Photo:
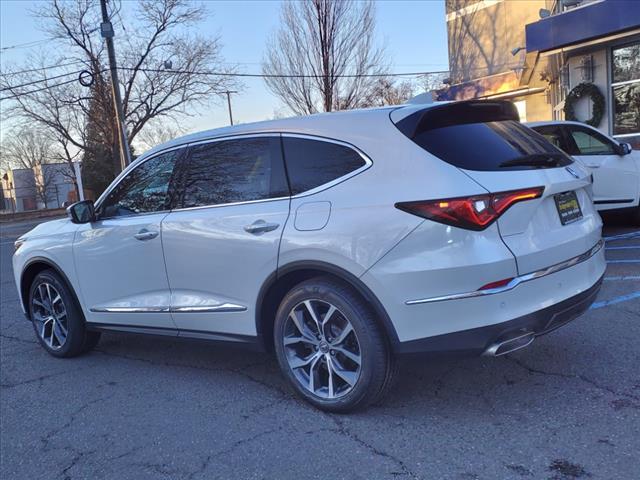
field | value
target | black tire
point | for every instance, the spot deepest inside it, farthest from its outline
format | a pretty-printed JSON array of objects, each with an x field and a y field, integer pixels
[
  {"x": 635, "y": 216},
  {"x": 377, "y": 365},
  {"x": 78, "y": 339}
]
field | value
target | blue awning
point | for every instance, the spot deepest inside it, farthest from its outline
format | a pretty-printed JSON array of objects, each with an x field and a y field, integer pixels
[{"x": 594, "y": 20}]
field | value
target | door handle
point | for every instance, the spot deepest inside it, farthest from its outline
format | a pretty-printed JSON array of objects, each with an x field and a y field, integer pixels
[
  {"x": 260, "y": 226},
  {"x": 145, "y": 234}
]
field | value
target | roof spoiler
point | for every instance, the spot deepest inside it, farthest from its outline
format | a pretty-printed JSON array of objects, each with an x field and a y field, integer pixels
[{"x": 457, "y": 113}]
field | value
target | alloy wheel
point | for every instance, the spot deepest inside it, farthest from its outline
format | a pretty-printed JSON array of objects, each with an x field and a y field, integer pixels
[
  {"x": 49, "y": 315},
  {"x": 322, "y": 349}
]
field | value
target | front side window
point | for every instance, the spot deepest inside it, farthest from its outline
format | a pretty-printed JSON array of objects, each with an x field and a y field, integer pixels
[
  {"x": 590, "y": 143},
  {"x": 625, "y": 85},
  {"x": 312, "y": 163},
  {"x": 231, "y": 171},
  {"x": 143, "y": 190}
]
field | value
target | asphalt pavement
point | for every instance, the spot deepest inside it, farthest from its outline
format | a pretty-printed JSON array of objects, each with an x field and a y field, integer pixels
[{"x": 140, "y": 408}]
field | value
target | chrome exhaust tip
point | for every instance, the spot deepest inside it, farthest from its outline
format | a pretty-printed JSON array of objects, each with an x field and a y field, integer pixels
[{"x": 509, "y": 345}]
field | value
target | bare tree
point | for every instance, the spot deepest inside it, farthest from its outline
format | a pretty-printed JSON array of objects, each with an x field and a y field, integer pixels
[
  {"x": 330, "y": 41},
  {"x": 387, "y": 92},
  {"x": 30, "y": 149},
  {"x": 157, "y": 36},
  {"x": 156, "y": 133}
]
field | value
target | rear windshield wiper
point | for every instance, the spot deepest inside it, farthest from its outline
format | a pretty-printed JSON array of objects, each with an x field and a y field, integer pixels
[{"x": 535, "y": 160}]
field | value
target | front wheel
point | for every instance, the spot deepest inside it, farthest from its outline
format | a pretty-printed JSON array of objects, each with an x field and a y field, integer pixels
[
  {"x": 57, "y": 319},
  {"x": 330, "y": 347}
]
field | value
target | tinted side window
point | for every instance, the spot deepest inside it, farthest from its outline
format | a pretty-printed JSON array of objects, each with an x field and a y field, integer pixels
[
  {"x": 230, "y": 171},
  {"x": 311, "y": 163},
  {"x": 591, "y": 143},
  {"x": 144, "y": 189}
]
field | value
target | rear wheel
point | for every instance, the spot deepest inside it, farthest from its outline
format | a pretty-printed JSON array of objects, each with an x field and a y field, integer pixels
[
  {"x": 57, "y": 319},
  {"x": 330, "y": 348}
]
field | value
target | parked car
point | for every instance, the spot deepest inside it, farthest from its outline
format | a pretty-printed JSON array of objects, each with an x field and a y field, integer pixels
[
  {"x": 339, "y": 241},
  {"x": 615, "y": 166}
]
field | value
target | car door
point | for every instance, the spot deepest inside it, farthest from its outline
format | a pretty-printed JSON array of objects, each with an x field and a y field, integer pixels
[
  {"x": 616, "y": 179},
  {"x": 221, "y": 241},
  {"x": 119, "y": 258}
]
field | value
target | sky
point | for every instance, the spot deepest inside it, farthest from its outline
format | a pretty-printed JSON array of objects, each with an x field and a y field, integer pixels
[{"x": 414, "y": 33}]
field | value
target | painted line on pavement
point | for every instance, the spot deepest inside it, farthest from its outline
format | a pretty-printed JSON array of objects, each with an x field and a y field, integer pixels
[
  {"x": 613, "y": 301},
  {"x": 622, "y": 236},
  {"x": 627, "y": 277},
  {"x": 623, "y": 261}
]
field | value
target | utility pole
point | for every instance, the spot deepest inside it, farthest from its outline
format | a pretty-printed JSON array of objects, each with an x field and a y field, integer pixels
[
  {"x": 106, "y": 29},
  {"x": 229, "y": 92}
]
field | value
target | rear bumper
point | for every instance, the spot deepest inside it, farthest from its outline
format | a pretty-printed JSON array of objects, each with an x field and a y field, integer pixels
[{"x": 476, "y": 341}]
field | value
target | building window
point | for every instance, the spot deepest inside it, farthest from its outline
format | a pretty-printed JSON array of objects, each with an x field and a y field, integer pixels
[{"x": 625, "y": 86}]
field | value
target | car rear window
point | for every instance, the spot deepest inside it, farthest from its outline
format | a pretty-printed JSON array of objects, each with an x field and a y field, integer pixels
[{"x": 485, "y": 136}]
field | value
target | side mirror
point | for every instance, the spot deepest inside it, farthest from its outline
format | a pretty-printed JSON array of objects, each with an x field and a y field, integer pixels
[
  {"x": 624, "y": 149},
  {"x": 82, "y": 212}
]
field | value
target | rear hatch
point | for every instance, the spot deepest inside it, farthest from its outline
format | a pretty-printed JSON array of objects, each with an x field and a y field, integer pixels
[{"x": 485, "y": 140}]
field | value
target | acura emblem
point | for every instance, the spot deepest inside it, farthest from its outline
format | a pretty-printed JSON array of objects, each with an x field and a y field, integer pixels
[{"x": 572, "y": 172}]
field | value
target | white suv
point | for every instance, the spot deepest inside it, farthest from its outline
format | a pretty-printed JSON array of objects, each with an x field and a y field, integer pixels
[
  {"x": 615, "y": 166},
  {"x": 339, "y": 241}
]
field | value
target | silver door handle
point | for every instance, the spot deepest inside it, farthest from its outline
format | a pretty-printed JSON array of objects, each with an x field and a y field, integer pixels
[
  {"x": 260, "y": 226},
  {"x": 145, "y": 234}
]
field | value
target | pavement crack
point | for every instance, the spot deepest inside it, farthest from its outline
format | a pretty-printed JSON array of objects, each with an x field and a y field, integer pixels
[
  {"x": 17, "y": 339},
  {"x": 344, "y": 431},
  {"x": 580, "y": 377}
]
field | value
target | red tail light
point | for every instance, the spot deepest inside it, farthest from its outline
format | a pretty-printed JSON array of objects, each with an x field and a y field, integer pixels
[{"x": 473, "y": 213}]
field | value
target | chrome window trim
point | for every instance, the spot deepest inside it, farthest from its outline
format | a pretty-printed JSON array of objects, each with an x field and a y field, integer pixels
[
  {"x": 222, "y": 308},
  {"x": 517, "y": 280}
]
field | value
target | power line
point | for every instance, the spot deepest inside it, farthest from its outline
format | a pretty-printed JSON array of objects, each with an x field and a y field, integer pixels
[
  {"x": 46, "y": 87},
  {"x": 48, "y": 67},
  {"x": 24, "y": 45},
  {"x": 12, "y": 87},
  {"x": 267, "y": 75},
  {"x": 221, "y": 74}
]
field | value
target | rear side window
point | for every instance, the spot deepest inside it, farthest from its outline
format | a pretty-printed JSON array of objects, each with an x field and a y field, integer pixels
[
  {"x": 484, "y": 136},
  {"x": 312, "y": 163},
  {"x": 231, "y": 171}
]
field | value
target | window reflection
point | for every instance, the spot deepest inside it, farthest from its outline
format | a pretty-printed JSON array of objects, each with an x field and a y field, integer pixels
[
  {"x": 144, "y": 189},
  {"x": 232, "y": 171}
]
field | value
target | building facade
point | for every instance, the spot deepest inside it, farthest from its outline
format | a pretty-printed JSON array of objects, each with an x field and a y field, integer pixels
[
  {"x": 45, "y": 186},
  {"x": 593, "y": 43},
  {"x": 536, "y": 52}
]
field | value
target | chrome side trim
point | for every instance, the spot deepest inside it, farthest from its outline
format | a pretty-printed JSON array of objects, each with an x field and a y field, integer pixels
[
  {"x": 517, "y": 280},
  {"x": 129, "y": 309},
  {"x": 224, "y": 307}
]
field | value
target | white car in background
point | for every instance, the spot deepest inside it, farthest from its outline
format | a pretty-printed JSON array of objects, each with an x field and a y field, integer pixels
[
  {"x": 338, "y": 241},
  {"x": 615, "y": 166}
]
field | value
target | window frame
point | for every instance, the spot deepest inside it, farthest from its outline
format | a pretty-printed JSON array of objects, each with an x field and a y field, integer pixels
[
  {"x": 611, "y": 87},
  {"x": 134, "y": 166}
]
